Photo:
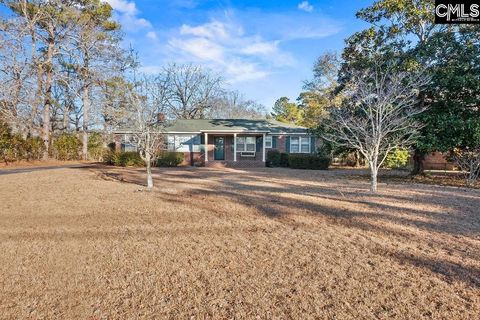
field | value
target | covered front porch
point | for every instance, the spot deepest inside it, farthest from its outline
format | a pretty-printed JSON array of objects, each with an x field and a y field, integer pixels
[{"x": 235, "y": 149}]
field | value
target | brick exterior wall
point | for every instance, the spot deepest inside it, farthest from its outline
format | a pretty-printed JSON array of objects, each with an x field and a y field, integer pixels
[
  {"x": 193, "y": 159},
  {"x": 198, "y": 158},
  {"x": 242, "y": 162},
  {"x": 118, "y": 143},
  {"x": 437, "y": 161},
  {"x": 281, "y": 144}
]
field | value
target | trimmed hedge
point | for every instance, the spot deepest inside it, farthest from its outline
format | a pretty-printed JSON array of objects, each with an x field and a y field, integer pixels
[
  {"x": 273, "y": 158},
  {"x": 276, "y": 158},
  {"x": 170, "y": 159},
  {"x": 308, "y": 161},
  {"x": 297, "y": 160},
  {"x": 124, "y": 159},
  {"x": 284, "y": 159}
]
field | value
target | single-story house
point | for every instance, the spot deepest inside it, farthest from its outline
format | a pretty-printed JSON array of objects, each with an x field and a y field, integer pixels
[{"x": 229, "y": 142}]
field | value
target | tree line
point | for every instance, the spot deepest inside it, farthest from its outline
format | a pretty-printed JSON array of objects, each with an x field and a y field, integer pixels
[
  {"x": 64, "y": 70},
  {"x": 404, "y": 82}
]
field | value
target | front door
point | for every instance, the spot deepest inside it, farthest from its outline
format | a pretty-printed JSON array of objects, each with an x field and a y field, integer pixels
[{"x": 219, "y": 148}]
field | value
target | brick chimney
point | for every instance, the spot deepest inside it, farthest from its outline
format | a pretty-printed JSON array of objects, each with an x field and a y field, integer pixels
[{"x": 161, "y": 117}]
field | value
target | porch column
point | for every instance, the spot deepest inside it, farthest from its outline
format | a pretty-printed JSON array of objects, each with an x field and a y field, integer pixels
[
  {"x": 263, "y": 148},
  {"x": 234, "y": 147},
  {"x": 206, "y": 147}
]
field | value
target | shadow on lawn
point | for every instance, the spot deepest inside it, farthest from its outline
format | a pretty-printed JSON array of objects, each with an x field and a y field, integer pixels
[{"x": 276, "y": 193}]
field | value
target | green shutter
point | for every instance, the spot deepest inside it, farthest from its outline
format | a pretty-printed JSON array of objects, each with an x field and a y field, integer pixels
[
  {"x": 287, "y": 144},
  {"x": 274, "y": 142},
  {"x": 259, "y": 144},
  {"x": 312, "y": 144}
]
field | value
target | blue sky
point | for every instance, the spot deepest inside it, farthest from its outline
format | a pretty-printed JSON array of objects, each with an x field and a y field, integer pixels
[{"x": 264, "y": 48}]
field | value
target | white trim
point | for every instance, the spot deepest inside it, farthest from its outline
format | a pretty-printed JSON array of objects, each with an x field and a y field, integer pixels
[
  {"x": 288, "y": 134},
  {"x": 235, "y": 147},
  {"x": 245, "y": 144},
  {"x": 206, "y": 147},
  {"x": 218, "y": 131},
  {"x": 248, "y": 154},
  {"x": 263, "y": 149},
  {"x": 183, "y": 132},
  {"x": 271, "y": 142},
  {"x": 234, "y": 131}
]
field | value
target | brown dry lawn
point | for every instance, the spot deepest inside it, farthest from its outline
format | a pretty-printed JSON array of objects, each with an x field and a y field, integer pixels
[{"x": 90, "y": 243}]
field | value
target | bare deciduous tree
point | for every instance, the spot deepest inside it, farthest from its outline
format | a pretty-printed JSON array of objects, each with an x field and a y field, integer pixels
[
  {"x": 233, "y": 105},
  {"x": 377, "y": 114},
  {"x": 192, "y": 90},
  {"x": 468, "y": 160},
  {"x": 144, "y": 114}
]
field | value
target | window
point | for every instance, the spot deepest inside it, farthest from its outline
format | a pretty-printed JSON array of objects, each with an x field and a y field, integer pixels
[
  {"x": 294, "y": 144},
  {"x": 304, "y": 145},
  {"x": 128, "y": 144},
  {"x": 246, "y": 144},
  {"x": 183, "y": 143},
  {"x": 171, "y": 143},
  {"x": 196, "y": 143},
  {"x": 299, "y": 145},
  {"x": 268, "y": 141}
]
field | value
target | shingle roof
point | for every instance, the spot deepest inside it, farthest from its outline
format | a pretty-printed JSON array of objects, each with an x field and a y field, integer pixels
[{"x": 234, "y": 125}]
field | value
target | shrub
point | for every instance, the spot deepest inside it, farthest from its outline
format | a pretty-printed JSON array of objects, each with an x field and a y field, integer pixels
[
  {"x": 123, "y": 159},
  {"x": 128, "y": 159},
  {"x": 96, "y": 150},
  {"x": 67, "y": 146},
  {"x": 34, "y": 148},
  {"x": 108, "y": 157},
  {"x": 308, "y": 161},
  {"x": 12, "y": 146},
  {"x": 397, "y": 159},
  {"x": 273, "y": 158},
  {"x": 284, "y": 162},
  {"x": 169, "y": 159}
]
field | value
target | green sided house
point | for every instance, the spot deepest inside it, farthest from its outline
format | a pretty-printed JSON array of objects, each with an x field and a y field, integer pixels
[{"x": 229, "y": 142}]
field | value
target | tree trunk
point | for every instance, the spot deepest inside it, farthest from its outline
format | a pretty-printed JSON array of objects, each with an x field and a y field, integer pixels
[
  {"x": 66, "y": 118},
  {"x": 149, "y": 171},
  {"x": 357, "y": 159},
  {"x": 38, "y": 91},
  {"x": 418, "y": 158},
  {"x": 48, "y": 99},
  {"x": 373, "y": 179},
  {"x": 86, "y": 107}
]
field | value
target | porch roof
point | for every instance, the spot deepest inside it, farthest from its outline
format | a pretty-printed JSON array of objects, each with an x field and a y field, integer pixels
[{"x": 234, "y": 125}]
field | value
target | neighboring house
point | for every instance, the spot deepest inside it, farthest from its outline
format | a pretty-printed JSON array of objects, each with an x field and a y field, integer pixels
[
  {"x": 437, "y": 161},
  {"x": 229, "y": 142}
]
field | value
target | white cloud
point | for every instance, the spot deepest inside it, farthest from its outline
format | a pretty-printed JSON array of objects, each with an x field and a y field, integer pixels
[
  {"x": 224, "y": 46},
  {"x": 214, "y": 29},
  {"x": 151, "y": 35},
  {"x": 261, "y": 48},
  {"x": 127, "y": 14},
  {"x": 198, "y": 48},
  {"x": 240, "y": 71},
  {"x": 305, "y": 6}
]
